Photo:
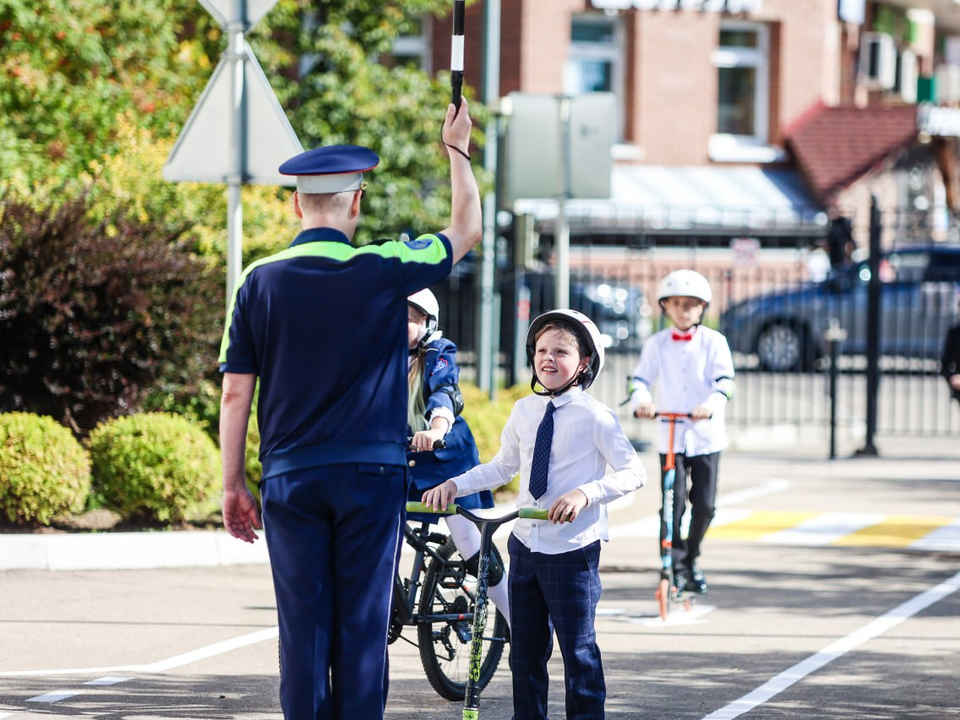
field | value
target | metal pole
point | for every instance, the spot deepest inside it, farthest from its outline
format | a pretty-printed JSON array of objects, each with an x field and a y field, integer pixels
[
  {"x": 487, "y": 341},
  {"x": 873, "y": 331},
  {"x": 562, "y": 233},
  {"x": 238, "y": 144},
  {"x": 834, "y": 336}
]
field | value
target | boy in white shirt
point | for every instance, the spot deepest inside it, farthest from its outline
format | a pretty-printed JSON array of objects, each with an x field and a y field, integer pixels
[
  {"x": 562, "y": 441},
  {"x": 693, "y": 369}
]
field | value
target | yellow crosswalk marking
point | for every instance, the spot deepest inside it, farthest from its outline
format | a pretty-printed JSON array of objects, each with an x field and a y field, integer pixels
[
  {"x": 863, "y": 530},
  {"x": 758, "y": 524},
  {"x": 894, "y": 531}
]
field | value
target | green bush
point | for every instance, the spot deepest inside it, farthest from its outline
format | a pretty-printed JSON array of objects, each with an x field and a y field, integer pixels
[
  {"x": 44, "y": 471},
  {"x": 156, "y": 467}
]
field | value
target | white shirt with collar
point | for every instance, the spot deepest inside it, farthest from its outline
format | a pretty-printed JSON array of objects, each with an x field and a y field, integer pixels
[
  {"x": 587, "y": 438},
  {"x": 687, "y": 373}
]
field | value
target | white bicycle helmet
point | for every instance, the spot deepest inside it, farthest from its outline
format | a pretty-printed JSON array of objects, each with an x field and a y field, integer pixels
[
  {"x": 426, "y": 302},
  {"x": 585, "y": 328},
  {"x": 685, "y": 283}
]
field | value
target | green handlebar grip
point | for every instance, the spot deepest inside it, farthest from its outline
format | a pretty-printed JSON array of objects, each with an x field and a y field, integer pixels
[
  {"x": 534, "y": 514},
  {"x": 420, "y": 507}
]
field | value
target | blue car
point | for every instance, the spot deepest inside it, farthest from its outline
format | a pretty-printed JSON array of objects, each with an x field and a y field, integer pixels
[{"x": 920, "y": 286}]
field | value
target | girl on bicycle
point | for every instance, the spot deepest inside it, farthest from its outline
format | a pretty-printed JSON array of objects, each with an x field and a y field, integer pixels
[{"x": 433, "y": 413}]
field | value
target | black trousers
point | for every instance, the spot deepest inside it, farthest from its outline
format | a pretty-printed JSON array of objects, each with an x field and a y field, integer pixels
[{"x": 702, "y": 471}]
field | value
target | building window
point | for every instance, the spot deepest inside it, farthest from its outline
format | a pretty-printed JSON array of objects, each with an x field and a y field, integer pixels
[
  {"x": 411, "y": 49},
  {"x": 595, "y": 63},
  {"x": 742, "y": 59}
]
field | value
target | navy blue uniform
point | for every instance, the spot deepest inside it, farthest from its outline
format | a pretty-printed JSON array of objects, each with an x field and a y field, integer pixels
[
  {"x": 323, "y": 325},
  {"x": 428, "y": 469}
]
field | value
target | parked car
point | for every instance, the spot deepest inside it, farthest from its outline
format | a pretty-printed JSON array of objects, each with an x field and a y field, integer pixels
[
  {"x": 920, "y": 286},
  {"x": 621, "y": 311}
]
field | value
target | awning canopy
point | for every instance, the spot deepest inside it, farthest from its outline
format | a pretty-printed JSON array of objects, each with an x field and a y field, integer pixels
[{"x": 705, "y": 198}]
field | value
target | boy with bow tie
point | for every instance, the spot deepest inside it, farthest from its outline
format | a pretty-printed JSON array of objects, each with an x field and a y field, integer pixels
[{"x": 693, "y": 369}]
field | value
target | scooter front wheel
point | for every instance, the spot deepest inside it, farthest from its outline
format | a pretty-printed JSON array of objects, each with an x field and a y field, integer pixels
[{"x": 663, "y": 597}]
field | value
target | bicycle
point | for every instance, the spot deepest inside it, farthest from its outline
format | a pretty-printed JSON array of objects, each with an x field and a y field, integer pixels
[
  {"x": 438, "y": 597},
  {"x": 487, "y": 527}
]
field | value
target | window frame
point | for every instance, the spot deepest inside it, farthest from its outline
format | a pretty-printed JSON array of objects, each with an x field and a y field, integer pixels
[
  {"x": 734, "y": 147},
  {"x": 612, "y": 52}
]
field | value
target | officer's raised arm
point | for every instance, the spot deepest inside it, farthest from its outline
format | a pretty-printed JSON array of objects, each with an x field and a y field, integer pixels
[{"x": 466, "y": 225}]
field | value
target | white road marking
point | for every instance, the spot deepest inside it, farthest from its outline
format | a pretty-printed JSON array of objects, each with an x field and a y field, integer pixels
[
  {"x": 55, "y": 696},
  {"x": 835, "y": 650},
  {"x": 772, "y": 485},
  {"x": 161, "y": 665},
  {"x": 679, "y": 616},
  {"x": 945, "y": 537},
  {"x": 823, "y": 529},
  {"x": 109, "y": 680}
]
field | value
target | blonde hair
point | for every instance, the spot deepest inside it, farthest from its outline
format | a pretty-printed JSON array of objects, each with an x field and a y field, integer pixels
[
  {"x": 569, "y": 332},
  {"x": 416, "y": 407}
]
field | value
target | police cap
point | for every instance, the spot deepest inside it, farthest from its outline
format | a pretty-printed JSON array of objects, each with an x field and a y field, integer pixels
[{"x": 331, "y": 169}]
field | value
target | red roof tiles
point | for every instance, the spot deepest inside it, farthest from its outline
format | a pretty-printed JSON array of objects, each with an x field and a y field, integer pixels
[{"x": 834, "y": 146}]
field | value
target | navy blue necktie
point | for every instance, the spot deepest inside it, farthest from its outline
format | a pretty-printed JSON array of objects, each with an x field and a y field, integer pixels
[{"x": 541, "y": 453}]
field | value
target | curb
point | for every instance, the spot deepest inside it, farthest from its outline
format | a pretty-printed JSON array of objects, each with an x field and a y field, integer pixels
[{"x": 128, "y": 551}]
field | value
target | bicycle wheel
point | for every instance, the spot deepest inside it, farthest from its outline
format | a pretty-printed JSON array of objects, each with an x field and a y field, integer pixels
[{"x": 448, "y": 587}]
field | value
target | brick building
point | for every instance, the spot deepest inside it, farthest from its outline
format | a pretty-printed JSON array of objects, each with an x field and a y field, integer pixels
[{"x": 730, "y": 114}]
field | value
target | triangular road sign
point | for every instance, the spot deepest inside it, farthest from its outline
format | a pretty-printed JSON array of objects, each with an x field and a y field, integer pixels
[
  {"x": 204, "y": 151},
  {"x": 223, "y": 10}
]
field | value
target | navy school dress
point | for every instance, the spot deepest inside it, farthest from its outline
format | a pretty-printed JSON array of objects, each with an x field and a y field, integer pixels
[{"x": 429, "y": 469}]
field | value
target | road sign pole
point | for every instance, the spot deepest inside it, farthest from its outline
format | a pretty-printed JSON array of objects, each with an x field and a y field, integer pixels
[{"x": 238, "y": 143}]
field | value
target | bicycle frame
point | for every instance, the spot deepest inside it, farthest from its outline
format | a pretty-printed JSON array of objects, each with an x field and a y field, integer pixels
[
  {"x": 487, "y": 527},
  {"x": 422, "y": 539}
]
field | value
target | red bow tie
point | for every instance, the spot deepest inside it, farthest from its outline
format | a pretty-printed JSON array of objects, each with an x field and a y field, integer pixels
[{"x": 683, "y": 337}]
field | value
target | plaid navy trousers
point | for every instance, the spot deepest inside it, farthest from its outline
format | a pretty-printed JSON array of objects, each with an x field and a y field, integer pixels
[{"x": 555, "y": 593}]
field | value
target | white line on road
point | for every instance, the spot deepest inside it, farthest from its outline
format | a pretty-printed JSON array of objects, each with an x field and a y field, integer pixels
[
  {"x": 813, "y": 663},
  {"x": 55, "y": 696},
  {"x": 161, "y": 665}
]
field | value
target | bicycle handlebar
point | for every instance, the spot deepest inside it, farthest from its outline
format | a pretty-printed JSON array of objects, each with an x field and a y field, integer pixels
[
  {"x": 454, "y": 509},
  {"x": 437, "y": 444}
]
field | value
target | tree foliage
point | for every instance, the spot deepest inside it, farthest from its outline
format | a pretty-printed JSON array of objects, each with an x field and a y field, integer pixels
[{"x": 93, "y": 314}]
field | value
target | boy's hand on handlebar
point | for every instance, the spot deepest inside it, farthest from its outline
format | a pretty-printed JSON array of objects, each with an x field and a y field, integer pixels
[
  {"x": 442, "y": 495},
  {"x": 645, "y": 410},
  {"x": 567, "y": 507},
  {"x": 425, "y": 439},
  {"x": 701, "y": 413}
]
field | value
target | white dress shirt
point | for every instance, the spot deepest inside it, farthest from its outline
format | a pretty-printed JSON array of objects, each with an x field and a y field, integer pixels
[
  {"x": 587, "y": 437},
  {"x": 687, "y": 373}
]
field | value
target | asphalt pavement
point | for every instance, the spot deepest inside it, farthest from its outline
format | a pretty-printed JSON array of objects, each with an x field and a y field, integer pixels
[{"x": 833, "y": 595}]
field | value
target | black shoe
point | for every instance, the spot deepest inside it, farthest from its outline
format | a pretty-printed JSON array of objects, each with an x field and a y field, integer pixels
[
  {"x": 698, "y": 581},
  {"x": 681, "y": 581}
]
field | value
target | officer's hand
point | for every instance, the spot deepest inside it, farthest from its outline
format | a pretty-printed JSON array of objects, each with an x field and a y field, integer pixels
[
  {"x": 442, "y": 495},
  {"x": 567, "y": 507},
  {"x": 240, "y": 514},
  {"x": 456, "y": 128},
  {"x": 955, "y": 382},
  {"x": 645, "y": 410}
]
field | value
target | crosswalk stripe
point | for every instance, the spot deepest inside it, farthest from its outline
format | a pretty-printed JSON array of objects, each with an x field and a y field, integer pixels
[
  {"x": 894, "y": 531},
  {"x": 823, "y": 529},
  {"x": 921, "y": 532},
  {"x": 757, "y": 525}
]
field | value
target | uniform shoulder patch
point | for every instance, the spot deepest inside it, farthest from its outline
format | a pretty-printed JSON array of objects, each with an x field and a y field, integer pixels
[
  {"x": 441, "y": 363},
  {"x": 419, "y": 243}
]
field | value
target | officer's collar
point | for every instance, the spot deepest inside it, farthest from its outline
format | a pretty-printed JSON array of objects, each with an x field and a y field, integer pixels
[{"x": 320, "y": 234}]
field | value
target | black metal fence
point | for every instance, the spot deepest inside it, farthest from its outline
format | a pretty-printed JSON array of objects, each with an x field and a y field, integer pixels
[{"x": 778, "y": 301}]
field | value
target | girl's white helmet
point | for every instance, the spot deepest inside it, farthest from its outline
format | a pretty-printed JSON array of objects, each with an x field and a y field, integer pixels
[
  {"x": 426, "y": 302},
  {"x": 584, "y": 327},
  {"x": 685, "y": 283}
]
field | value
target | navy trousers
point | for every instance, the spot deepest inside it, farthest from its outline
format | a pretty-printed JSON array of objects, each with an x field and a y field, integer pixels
[
  {"x": 702, "y": 471},
  {"x": 333, "y": 534},
  {"x": 555, "y": 593}
]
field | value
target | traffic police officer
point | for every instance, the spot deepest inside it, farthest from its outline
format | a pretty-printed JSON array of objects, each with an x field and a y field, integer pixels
[{"x": 322, "y": 324}]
